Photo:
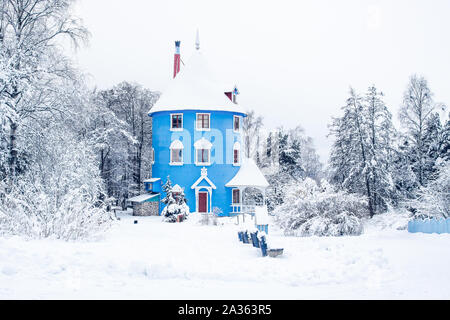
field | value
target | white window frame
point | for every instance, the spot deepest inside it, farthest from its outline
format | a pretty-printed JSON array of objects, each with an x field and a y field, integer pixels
[
  {"x": 196, "y": 121},
  {"x": 176, "y": 163},
  {"x": 197, "y": 163},
  {"x": 171, "y": 123},
  {"x": 171, "y": 149},
  {"x": 237, "y": 146},
  {"x": 240, "y": 124}
]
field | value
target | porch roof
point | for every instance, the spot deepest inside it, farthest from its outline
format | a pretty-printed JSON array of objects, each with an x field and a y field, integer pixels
[
  {"x": 142, "y": 198},
  {"x": 248, "y": 175}
]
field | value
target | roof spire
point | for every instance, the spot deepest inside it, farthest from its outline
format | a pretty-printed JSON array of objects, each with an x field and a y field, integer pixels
[{"x": 197, "y": 41}]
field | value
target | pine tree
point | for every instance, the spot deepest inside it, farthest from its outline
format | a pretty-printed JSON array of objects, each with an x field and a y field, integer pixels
[
  {"x": 380, "y": 134},
  {"x": 444, "y": 146},
  {"x": 361, "y": 153},
  {"x": 167, "y": 188}
]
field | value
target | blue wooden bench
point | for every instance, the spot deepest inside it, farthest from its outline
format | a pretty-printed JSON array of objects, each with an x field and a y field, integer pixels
[
  {"x": 269, "y": 252},
  {"x": 255, "y": 240},
  {"x": 246, "y": 240},
  {"x": 260, "y": 243}
]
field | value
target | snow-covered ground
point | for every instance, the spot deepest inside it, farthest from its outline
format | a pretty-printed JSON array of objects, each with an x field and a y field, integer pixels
[{"x": 156, "y": 260}]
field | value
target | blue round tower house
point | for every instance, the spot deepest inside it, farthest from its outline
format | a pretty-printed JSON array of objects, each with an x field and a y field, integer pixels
[{"x": 197, "y": 138}]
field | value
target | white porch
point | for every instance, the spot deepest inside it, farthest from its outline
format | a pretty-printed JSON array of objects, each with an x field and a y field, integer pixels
[{"x": 248, "y": 177}]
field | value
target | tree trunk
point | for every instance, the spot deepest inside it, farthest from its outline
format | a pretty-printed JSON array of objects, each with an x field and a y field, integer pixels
[{"x": 12, "y": 149}]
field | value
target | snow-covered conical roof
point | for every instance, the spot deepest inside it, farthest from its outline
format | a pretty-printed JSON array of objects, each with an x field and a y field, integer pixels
[
  {"x": 248, "y": 175},
  {"x": 195, "y": 88}
]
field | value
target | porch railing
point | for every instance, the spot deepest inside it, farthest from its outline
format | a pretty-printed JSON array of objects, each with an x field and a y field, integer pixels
[{"x": 242, "y": 209}]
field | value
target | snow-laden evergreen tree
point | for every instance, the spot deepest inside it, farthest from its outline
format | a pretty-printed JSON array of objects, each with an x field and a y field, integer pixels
[
  {"x": 362, "y": 151},
  {"x": 434, "y": 199},
  {"x": 176, "y": 206},
  {"x": 289, "y": 154},
  {"x": 167, "y": 188},
  {"x": 405, "y": 180},
  {"x": 381, "y": 134},
  {"x": 444, "y": 149},
  {"x": 289, "y": 158}
]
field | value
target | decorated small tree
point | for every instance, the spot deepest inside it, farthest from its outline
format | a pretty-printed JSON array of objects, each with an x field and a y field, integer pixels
[{"x": 176, "y": 209}]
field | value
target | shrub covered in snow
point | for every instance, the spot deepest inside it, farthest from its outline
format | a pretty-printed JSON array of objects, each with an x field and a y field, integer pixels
[
  {"x": 58, "y": 197},
  {"x": 434, "y": 199},
  {"x": 313, "y": 210},
  {"x": 176, "y": 204}
]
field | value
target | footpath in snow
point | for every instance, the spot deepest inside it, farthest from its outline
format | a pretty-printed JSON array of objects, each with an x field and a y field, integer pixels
[{"x": 156, "y": 260}]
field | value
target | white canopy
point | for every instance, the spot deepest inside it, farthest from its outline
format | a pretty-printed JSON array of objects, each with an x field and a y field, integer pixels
[
  {"x": 195, "y": 89},
  {"x": 176, "y": 144},
  {"x": 203, "y": 144},
  {"x": 248, "y": 175},
  {"x": 177, "y": 189}
]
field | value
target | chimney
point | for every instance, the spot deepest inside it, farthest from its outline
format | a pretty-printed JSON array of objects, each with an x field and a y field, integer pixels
[{"x": 177, "y": 59}]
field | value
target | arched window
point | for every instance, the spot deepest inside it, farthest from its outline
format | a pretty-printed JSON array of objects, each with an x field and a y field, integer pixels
[
  {"x": 236, "y": 123},
  {"x": 203, "y": 152},
  {"x": 176, "y": 153},
  {"x": 237, "y": 154}
]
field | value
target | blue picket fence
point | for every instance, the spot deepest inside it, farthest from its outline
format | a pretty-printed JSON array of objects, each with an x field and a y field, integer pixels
[{"x": 429, "y": 226}]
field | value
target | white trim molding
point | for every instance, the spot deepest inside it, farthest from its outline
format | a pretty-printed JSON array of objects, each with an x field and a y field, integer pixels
[
  {"x": 203, "y": 144},
  {"x": 198, "y": 189},
  {"x": 237, "y": 147},
  {"x": 176, "y": 145},
  {"x": 240, "y": 124}
]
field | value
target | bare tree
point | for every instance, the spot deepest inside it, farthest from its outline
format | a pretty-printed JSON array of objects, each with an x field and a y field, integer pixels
[
  {"x": 417, "y": 108},
  {"x": 252, "y": 125},
  {"x": 29, "y": 35}
]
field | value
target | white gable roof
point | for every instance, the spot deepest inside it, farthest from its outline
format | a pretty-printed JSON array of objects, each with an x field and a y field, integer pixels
[
  {"x": 203, "y": 144},
  {"x": 177, "y": 189},
  {"x": 203, "y": 176},
  {"x": 176, "y": 144},
  {"x": 194, "y": 88},
  {"x": 248, "y": 175}
]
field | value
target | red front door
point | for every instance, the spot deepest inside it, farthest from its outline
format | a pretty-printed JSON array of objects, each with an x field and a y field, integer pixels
[{"x": 203, "y": 202}]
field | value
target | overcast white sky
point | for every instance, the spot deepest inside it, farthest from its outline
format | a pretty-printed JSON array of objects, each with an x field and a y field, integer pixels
[{"x": 292, "y": 60}]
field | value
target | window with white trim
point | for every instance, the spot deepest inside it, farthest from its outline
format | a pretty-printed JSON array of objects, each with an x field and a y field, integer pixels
[
  {"x": 236, "y": 123},
  {"x": 176, "y": 122},
  {"x": 203, "y": 156},
  {"x": 176, "y": 153},
  {"x": 176, "y": 156},
  {"x": 203, "y": 121},
  {"x": 236, "y": 196},
  {"x": 203, "y": 152},
  {"x": 237, "y": 154}
]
